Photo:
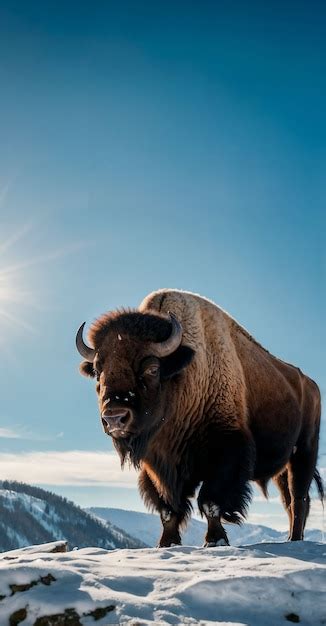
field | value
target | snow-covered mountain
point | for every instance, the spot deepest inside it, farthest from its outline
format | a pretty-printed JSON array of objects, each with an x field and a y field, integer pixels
[
  {"x": 260, "y": 585},
  {"x": 29, "y": 515},
  {"x": 147, "y": 527}
]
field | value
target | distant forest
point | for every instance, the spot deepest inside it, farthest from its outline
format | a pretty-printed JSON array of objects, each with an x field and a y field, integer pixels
[{"x": 22, "y": 520}]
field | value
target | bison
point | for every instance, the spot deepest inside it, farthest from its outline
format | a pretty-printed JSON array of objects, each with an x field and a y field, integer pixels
[{"x": 191, "y": 399}]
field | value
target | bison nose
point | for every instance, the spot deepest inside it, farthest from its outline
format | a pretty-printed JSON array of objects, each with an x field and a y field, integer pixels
[{"x": 116, "y": 419}]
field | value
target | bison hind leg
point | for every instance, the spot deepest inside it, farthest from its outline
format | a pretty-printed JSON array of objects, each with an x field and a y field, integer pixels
[
  {"x": 301, "y": 471},
  {"x": 282, "y": 483}
]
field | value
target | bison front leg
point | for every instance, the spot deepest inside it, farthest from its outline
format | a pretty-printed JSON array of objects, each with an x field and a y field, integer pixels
[
  {"x": 225, "y": 492},
  {"x": 217, "y": 504},
  {"x": 171, "y": 523},
  {"x": 170, "y": 518},
  {"x": 216, "y": 535}
]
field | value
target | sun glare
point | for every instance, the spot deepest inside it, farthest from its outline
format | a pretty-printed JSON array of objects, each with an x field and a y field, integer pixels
[
  {"x": 13, "y": 281},
  {"x": 10, "y": 295},
  {"x": 7, "y": 291},
  {"x": 17, "y": 277}
]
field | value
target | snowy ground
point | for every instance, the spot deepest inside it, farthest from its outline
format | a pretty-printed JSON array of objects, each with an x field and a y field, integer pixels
[{"x": 259, "y": 585}]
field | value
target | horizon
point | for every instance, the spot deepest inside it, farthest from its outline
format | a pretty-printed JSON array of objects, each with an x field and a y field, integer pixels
[
  {"x": 147, "y": 147},
  {"x": 95, "y": 510}
]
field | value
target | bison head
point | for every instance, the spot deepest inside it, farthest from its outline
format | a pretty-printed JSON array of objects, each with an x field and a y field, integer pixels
[{"x": 135, "y": 359}]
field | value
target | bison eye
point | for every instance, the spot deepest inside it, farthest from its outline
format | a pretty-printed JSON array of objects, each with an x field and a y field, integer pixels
[{"x": 152, "y": 370}]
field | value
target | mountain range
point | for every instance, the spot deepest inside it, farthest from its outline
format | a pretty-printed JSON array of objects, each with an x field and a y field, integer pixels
[
  {"x": 146, "y": 527},
  {"x": 30, "y": 515}
]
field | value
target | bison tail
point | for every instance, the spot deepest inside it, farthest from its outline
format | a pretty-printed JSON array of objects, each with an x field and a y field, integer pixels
[{"x": 320, "y": 486}]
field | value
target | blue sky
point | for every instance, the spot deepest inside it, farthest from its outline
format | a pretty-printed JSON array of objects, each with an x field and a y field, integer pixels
[{"x": 149, "y": 145}]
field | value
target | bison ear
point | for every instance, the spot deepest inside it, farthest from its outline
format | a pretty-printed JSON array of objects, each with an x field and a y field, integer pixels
[
  {"x": 177, "y": 361},
  {"x": 86, "y": 369}
]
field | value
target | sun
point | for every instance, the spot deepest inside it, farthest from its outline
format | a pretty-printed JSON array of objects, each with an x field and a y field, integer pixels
[
  {"x": 7, "y": 290},
  {"x": 18, "y": 299},
  {"x": 20, "y": 295},
  {"x": 13, "y": 292},
  {"x": 3, "y": 289},
  {"x": 10, "y": 296}
]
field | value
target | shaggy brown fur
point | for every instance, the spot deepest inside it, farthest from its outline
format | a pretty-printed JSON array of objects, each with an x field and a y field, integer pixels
[{"x": 223, "y": 412}]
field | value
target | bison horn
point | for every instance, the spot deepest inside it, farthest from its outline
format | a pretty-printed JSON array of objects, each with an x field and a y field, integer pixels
[
  {"x": 164, "y": 348},
  {"x": 83, "y": 349}
]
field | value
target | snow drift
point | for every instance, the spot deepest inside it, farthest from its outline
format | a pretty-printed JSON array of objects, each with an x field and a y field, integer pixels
[{"x": 259, "y": 585}]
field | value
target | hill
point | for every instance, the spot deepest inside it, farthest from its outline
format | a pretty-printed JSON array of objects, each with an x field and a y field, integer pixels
[
  {"x": 263, "y": 584},
  {"x": 147, "y": 527},
  {"x": 30, "y": 515}
]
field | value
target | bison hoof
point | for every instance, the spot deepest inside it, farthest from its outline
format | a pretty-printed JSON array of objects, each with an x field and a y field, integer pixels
[
  {"x": 214, "y": 544},
  {"x": 166, "y": 544}
]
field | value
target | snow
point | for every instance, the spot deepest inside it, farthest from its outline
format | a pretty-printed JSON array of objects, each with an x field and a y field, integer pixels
[
  {"x": 257, "y": 585},
  {"x": 51, "y": 546}
]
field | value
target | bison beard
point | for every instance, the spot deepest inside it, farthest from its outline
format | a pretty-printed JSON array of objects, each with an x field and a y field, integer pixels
[{"x": 132, "y": 449}]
